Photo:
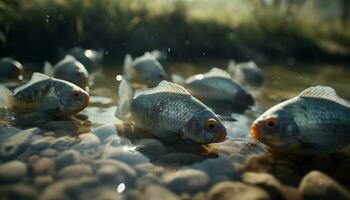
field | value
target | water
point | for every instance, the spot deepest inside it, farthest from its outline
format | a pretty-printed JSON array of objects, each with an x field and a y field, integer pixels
[{"x": 146, "y": 160}]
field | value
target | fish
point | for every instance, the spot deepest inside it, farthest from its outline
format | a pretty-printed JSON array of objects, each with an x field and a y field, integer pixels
[
  {"x": 170, "y": 113},
  {"x": 315, "y": 121},
  {"x": 144, "y": 71},
  {"x": 11, "y": 69},
  {"x": 247, "y": 73},
  {"x": 69, "y": 69},
  {"x": 43, "y": 94},
  {"x": 216, "y": 88},
  {"x": 90, "y": 58}
]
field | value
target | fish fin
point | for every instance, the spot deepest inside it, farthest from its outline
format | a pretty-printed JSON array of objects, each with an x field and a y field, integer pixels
[
  {"x": 163, "y": 86},
  {"x": 125, "y": 94},
  {"x": 324, "y": 92},
  {"x": 227, "y": 118},
  {"x": 128, "y": 69},
  {"x": 178, "y": 79},
  {"x": 159, "y": 55},
  {"x": 6, "y": 97},
  {"x": 217, "y": 72},
  {"x": 36, "y": 77},
  {"x": 48, "y": 69},
  {"x": 67, "y": 58},
  {"x": 232, "y": 66}
]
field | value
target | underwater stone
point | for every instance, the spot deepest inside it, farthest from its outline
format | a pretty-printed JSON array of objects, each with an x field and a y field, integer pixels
[{"x": 13, "y": 171}]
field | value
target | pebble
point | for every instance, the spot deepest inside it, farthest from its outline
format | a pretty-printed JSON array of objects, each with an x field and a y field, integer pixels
[
  {"x": 105, "y": 131},
  {"x": 317, "y": 185},
  {"x": 122, "y": 172},
  {"x": 186, "y": 180},
  {"x": 67, "y": 157},
  {"x": 260, "y": 179},
  {"x": 17, "y": 144},
  {"x": 179, "y": 159},
  {"x": 88, "y": 141},
  {"x": 42, "y": 143},
  {"x": 50, "y": 153},
  {"x": 43, "y": 181},
  {"x": 12, "y": 171},
  {"x": 157, "y": 192},
  {"x": 75, "y": 171},
  {"x": 18, "y": 191},
  {"x": 127, "y": 154},
  {"x": 236, "y": 190},
  {"x": 151, "y": 147},
  {"x": 64, "y": 142},
  {"x": 60, "y": 189},
  {"x": 44, "y": 166}
]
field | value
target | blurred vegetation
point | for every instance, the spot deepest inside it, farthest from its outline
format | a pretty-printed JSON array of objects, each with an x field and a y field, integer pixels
[{"x": 37, "y": 30}]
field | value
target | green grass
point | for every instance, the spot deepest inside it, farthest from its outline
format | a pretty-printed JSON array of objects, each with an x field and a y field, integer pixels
[{"x": 37, "y": 30}]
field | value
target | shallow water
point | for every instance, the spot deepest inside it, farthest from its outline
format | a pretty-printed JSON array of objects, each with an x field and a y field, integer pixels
[{"x": 145, "y": 160}]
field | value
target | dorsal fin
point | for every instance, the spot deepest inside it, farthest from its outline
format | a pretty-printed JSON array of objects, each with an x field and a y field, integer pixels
[
  {"x": 163, "y": 86},
  {"x": 324, "y": 92},
  {"x": 214, "y": 72},
  {"x": 66, "y": 59},
  {"x": 217, "y": 72},
  {"x": 36, "y": 77}
]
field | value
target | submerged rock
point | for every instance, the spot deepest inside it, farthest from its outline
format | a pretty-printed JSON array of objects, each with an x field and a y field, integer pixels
[
  {"x": 236, "y": 190},
  {"x": 88, "y": 141},
  {"x": 17, "y": 144},
  {"x": 179, "y": 159},
  {"x": 44, "y": 166},
  {"x": 75, "y": 171},
  {"x": 18, "y": 191},
  {"x": 317, "y": 185},
  {"x": 42, "y": 143},
  {"x": 151, "y": 147},
  {"x": 127, "y": 154},
  {"x": 67, "y": 157},
  {"x": 12, "y": 171},
  {"x": 186, "y": 181},
  {"x": 105, "y": 131},
  {"x": 157, "y": 192},
  {"x": 43, "y": 181}
]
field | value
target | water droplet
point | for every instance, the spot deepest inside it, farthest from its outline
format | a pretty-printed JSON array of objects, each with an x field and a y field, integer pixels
[
  {"x": 187, "y": 42},
  {"x": 88, "y": 53},
  {"x": 20, "y": 77},
  {"x": 169, "y": 49},
  {"x": 47, "y": 18},
  {"x": 121, "y": 188},
  {"x": 203, "y": 53}
]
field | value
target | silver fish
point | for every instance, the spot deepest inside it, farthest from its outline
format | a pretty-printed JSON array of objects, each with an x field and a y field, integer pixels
[
  {"x": 90, "y": 58},
  {"x": 143, "y": 71},
  {"x": 10, "y": 69},
  {"x": 316, "y": 120},
  {"x": 217, "y": 89},
  {"x": 247, "y": 73},
  {"x": 47, "y": 95},
  {"x": 170, "y": 112},
  {"x": 69, "y": 69}
]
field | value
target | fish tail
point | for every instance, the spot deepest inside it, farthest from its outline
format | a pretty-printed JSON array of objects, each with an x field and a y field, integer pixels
[
  {"x": 48, "y": 69},
  {"x": 127, "y": 70},
  {"x": 125, "y": 94},
  {"x": 6, "y": 97}
]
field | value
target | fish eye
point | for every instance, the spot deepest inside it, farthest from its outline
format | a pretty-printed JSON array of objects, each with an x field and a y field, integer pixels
[
  {"x": 271, "y": 122},
  {"x": 75, "y": 93},
  {"x": 211, "y": 123}
]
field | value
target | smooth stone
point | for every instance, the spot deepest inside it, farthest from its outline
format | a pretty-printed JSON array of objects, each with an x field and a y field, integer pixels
[
  {"x": 236, "y": 190},
  {"x": 147, "y": 180},
  {"x": 8, "y": 131},
  {"x": 100, "y": 193},
  {"x": 260, "y": 179},
  {"x": 157, "y": 192},
  {"x": 75, "y": 171},
  {"x": 186, "y": 181},
  {"x": 179, "y": 159},
  {"x": 127, "y": 154},
  {"x": 146, "y": 168},
  {"x": 105, "y": 131},
  {"x": 44, "y": 166},
  {"x": 122, "y": 172},
  {"x": 317, "y": 185},
  {"x": 50, "y": 153},
  {"x": 12, "y": 171},
  {"x": 67, "y": 157},
  {"x": 64, "y": 142},
  {"x": 88, "y": 141},
  {"x": 43, "y": 181},
  {"x": 63, "y": 189},
  {"x": 18, "y": 191},
  {"x": 17, "y": 144},
  {"x": 42, "y": 143},
  {"x": 151, "y": 147},
  {"x": 117, "y": 141},
  {"x": 218, "y": 169},
  {"x": 90, "y": 155}
]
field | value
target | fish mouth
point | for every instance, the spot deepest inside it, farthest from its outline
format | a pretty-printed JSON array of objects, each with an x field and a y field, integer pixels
[
  {"x": 87, "y": 100},
  {"x": 221, "y": 137},
  {"x": 254, "y": 132}
]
